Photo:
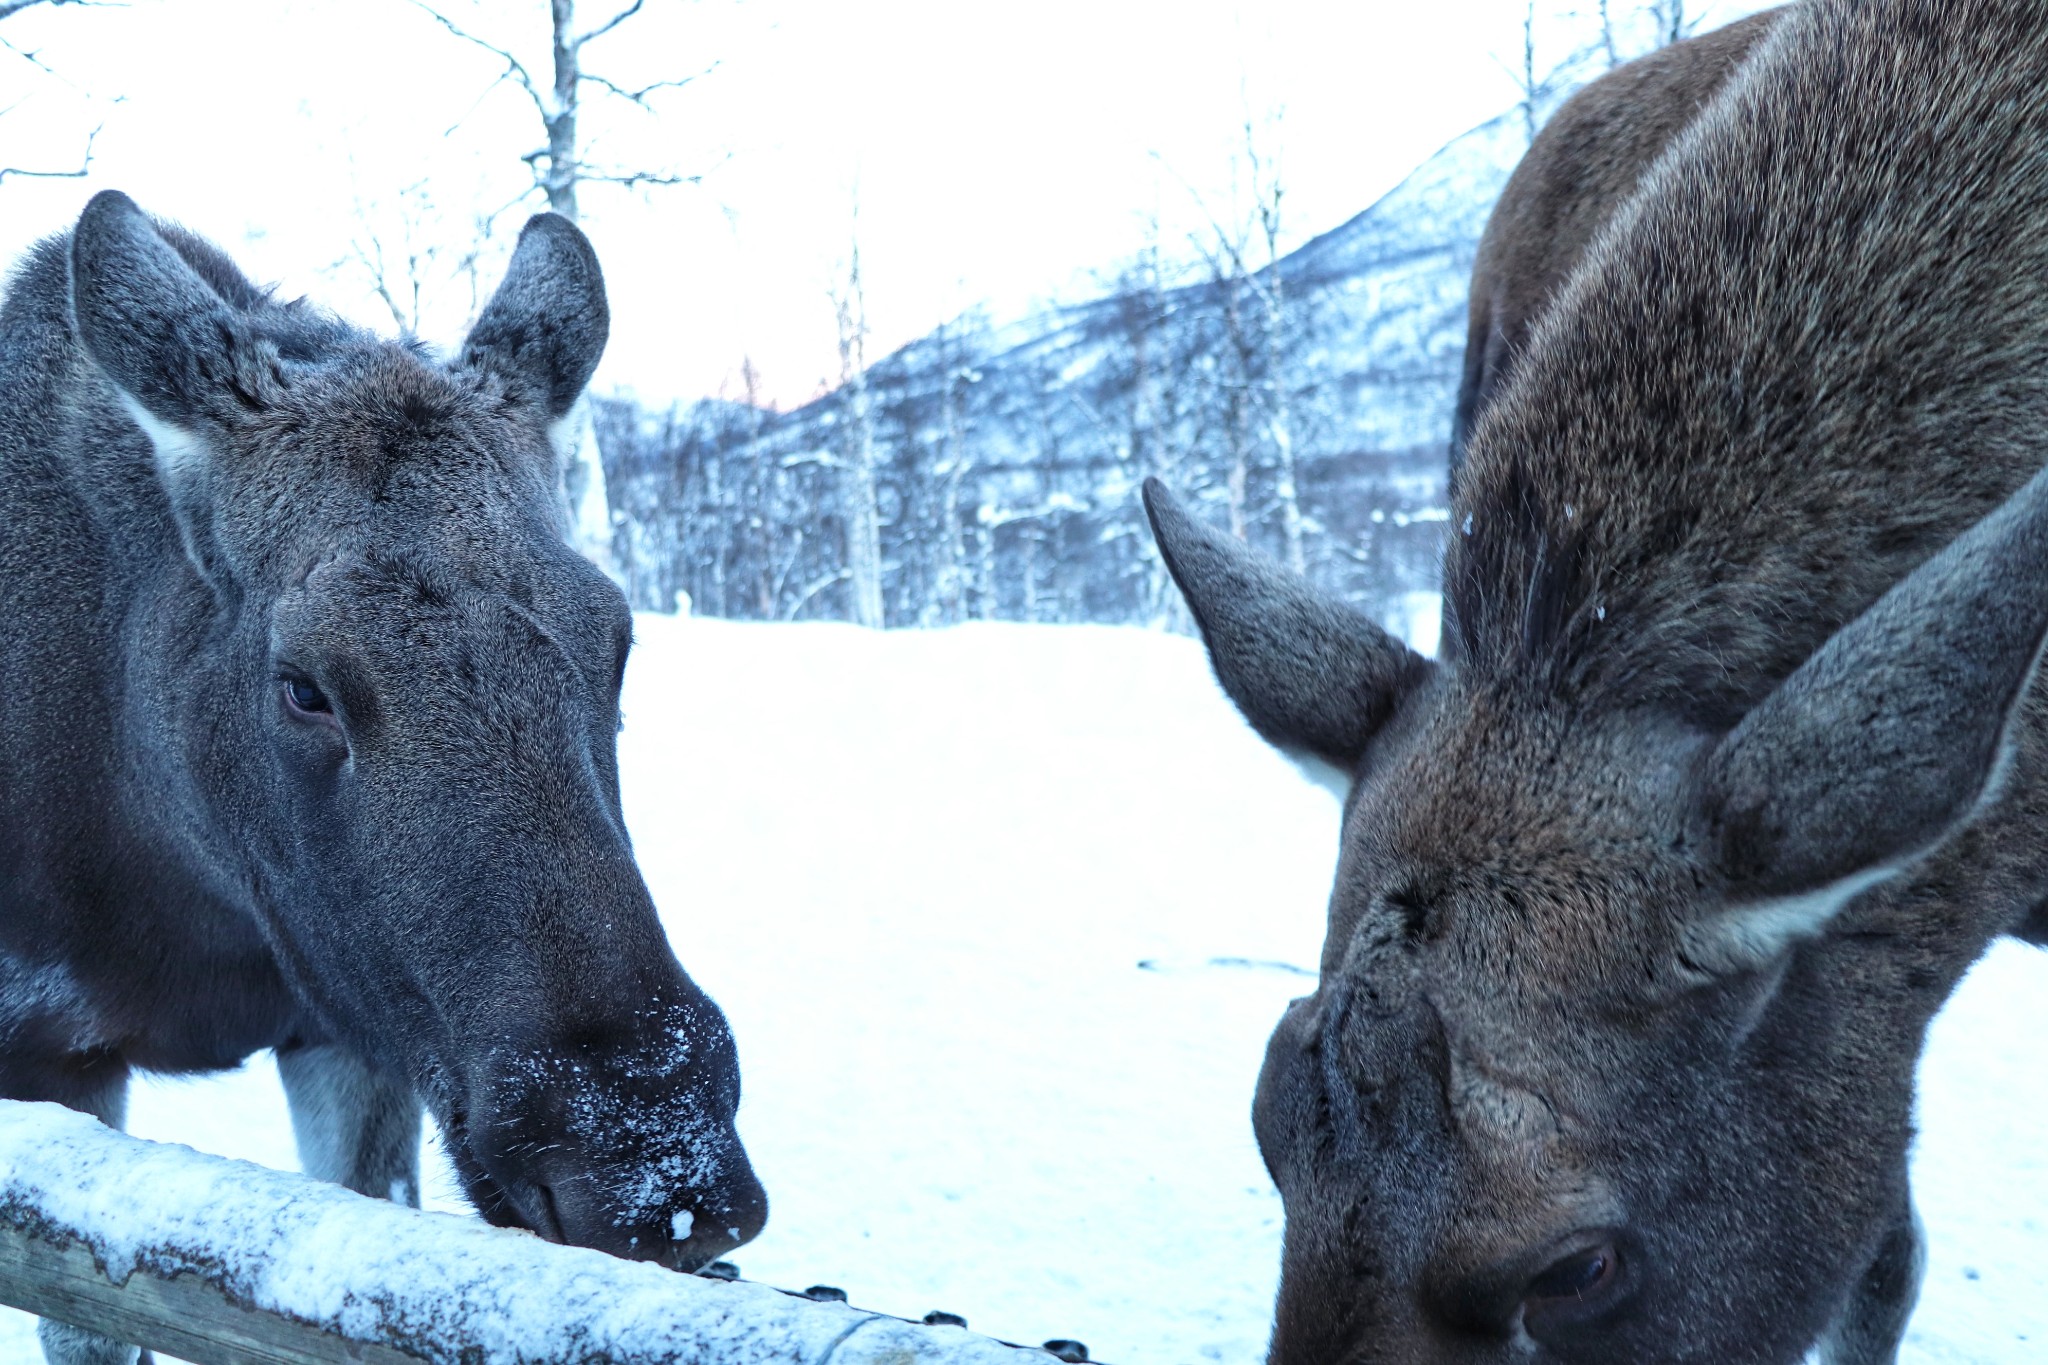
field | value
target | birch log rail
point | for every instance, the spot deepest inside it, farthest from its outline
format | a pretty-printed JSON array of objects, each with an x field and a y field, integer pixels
[{"x": 227, "y": 1263}]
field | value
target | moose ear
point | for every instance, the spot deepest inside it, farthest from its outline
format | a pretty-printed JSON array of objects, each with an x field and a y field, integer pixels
[
  {"x": 1892, "y": 735},
  {"x": 177, "y": 352},
  {"x": 1312, "y": 675},
  {"x": 545, "y": 328}
]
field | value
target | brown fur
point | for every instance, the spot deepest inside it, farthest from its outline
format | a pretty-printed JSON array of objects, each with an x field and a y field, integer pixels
[
  {"x": 1730, "y": 766},
  {"x": 1588, "y": 160}
]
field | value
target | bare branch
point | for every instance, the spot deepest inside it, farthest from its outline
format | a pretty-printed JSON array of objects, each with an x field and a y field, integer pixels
[
  {"x": 84, "y": 166},
  {"x": 490, "y": 219},
  {"x": 513, "y": 67},
  {"x": 559, "y": 167},
  {"x": 34, "y": 59},
  {"x": 12, "y": 7},
  {"x": 1228, "y": 242},
  {"x": 608, "y": 25},
  {"x": 368, "y": 252},
  {"x": 1607, "y": 44},
  {"x": 477, "y": 103},
  {"x": 639, "y": 96},
  {"x": 637, "y": 178},
  {"x": 804, "y": 598}
]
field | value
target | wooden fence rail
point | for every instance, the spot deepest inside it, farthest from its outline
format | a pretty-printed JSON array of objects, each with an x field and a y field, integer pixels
[{"x": 226, "y": 1263}]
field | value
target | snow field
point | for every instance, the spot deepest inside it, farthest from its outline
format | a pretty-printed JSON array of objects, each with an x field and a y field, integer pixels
[{"x": 919, "y": 870}]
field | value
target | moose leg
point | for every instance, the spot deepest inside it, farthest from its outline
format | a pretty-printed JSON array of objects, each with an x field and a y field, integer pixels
[
  {"x": 93, "y": 1083},
  {"x": 64, "y": 1344},
  {"x": 1874, "y": 1321},
  {"x": 355, "y": 1125}
]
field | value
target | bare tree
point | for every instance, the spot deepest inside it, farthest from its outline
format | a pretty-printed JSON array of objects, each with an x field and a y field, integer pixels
[
  {"x": 935, "y": 478},
  {"x": 1243, "y": 254},
  {"x": 1151, "y": 341},
  {"x": 1644, "y": 27},
  {"x": 1269, "y": 287},
  {"x": 558, "y": 167},
  {"x": 1609, "y": 48},
  {"x": 559, "y": 170},
  {"x": 859, "y": 505},
  {"x": 407, "y": 252},
  {"x": 1541, "y": 85},
  {"x": 1673, "y": 23}
]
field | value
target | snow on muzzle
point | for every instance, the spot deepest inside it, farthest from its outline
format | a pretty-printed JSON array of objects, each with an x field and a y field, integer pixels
[{"x": 625, "y": 1144}]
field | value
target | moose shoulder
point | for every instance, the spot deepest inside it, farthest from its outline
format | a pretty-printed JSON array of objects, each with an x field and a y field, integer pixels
[
  {"x": 307, "y": 742},
  {"x": 1731, "y": 764}
]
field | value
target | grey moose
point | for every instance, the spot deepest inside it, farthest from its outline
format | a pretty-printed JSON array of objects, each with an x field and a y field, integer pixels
[
  {"x": 308, "y": 741},
  {"x": 1730, "y": 764}
]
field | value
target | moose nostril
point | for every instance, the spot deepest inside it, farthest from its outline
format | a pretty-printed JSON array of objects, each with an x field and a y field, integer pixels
[{"x": 551, "y": 1217}]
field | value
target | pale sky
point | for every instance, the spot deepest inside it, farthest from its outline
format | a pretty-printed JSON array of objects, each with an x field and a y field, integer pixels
[{"x": 997, "y": 153}]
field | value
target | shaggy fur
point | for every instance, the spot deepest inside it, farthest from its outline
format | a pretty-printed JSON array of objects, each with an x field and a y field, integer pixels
[
  {"x": 417, "y": 884},
  {"x": 1590, "y": 155},
  {"x": 1731, "y": 764}
]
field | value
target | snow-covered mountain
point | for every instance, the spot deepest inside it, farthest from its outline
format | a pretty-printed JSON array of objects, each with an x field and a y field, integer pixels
[{"x": 1008, "y": 455}]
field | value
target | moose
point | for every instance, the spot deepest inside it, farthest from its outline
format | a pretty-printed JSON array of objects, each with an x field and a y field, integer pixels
[
  {"x": 1732, "y": 761},
  {"x": 308, "y": 741}
]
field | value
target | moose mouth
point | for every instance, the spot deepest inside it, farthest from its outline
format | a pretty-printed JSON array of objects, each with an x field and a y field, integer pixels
[
  {"x": 499, "y": 1202},
  {"x": 531, "y": 1205}
]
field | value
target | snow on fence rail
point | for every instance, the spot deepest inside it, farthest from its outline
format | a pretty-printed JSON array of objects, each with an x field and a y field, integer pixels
[{"x": 227, "y": 1263}]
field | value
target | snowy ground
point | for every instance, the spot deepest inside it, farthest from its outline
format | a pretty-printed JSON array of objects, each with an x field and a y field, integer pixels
[{"x": 921, "y": 871}]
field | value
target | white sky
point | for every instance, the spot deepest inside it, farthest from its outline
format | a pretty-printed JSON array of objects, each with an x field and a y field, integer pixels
[{"x": 997, "y": 152}]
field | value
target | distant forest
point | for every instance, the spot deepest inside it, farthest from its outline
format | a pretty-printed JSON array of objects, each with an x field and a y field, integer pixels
[
  {"x": 990, "y": 470},
  {"x": 993, "y": 470}
]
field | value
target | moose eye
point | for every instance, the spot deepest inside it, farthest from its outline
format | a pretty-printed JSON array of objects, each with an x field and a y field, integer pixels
[
  {"x": 1578, "y": 1278},
  {"x": 305, "y": 697}
]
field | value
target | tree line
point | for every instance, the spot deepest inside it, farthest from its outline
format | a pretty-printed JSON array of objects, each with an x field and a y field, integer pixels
[{"x": 991, "y": 470}]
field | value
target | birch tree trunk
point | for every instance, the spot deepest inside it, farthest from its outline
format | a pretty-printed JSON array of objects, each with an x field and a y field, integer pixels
[
  {"x": 858, "y": 504},
  {"x": 1279, "y": 388},
  {"x": 558, "y": 170},
  {"x": 582, "y": 474}
]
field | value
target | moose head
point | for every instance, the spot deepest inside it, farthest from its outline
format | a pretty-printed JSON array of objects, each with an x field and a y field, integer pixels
[
  {"x": 1610, "y": 1058},
  {"x": 376, "y": 708}
]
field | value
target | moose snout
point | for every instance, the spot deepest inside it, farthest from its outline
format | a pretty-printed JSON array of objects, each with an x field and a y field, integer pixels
[
  {"x": 621, "y": 1138},
  {"x": 636, "y": 1212},
  {"x": 700, "y": 1236},
  {"x": 661, "y": 1182}
]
